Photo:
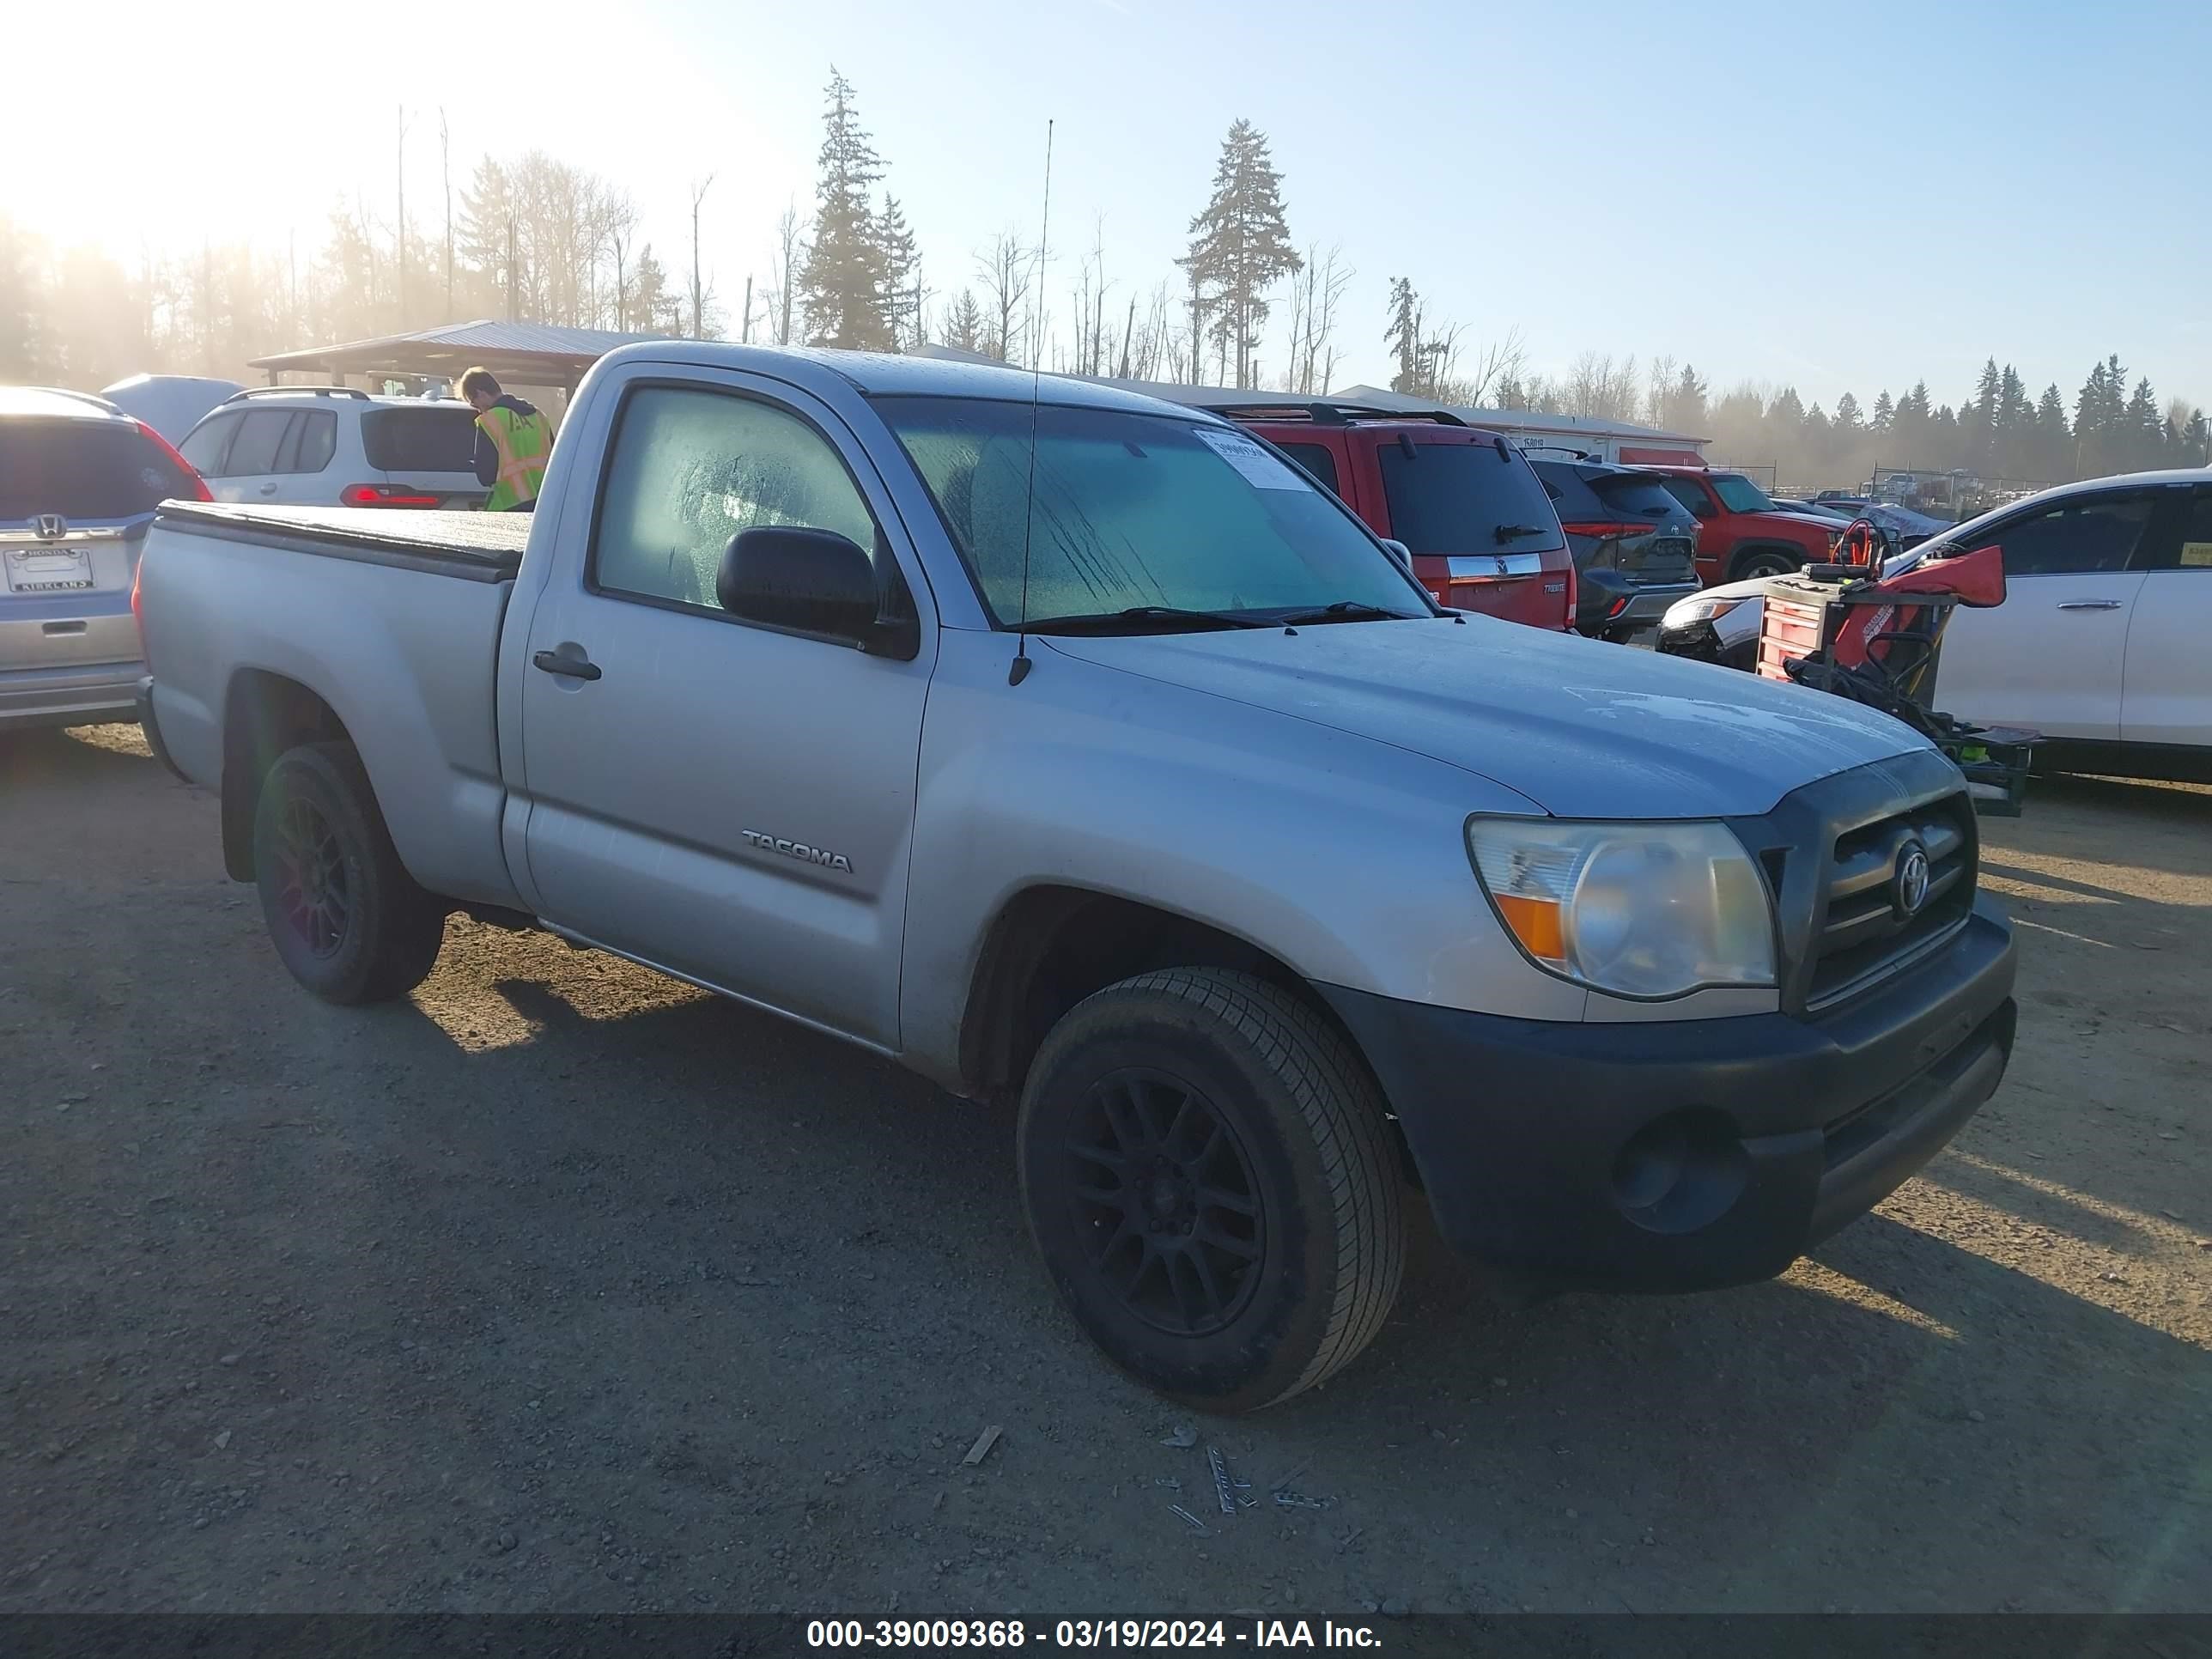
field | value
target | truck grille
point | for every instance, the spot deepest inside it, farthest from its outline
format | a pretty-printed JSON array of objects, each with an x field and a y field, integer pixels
[{"x": 1862, "y": 932}]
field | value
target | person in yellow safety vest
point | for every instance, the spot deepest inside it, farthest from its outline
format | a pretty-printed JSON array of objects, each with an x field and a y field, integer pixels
[{"x": 514, "y": 442}]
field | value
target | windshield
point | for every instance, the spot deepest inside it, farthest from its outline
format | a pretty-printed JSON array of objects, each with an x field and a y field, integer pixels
[
  {"x": 1739, "y": 495},
  {"x": 1135, "y": 511},
  {"x": 1466, "y": 498}
]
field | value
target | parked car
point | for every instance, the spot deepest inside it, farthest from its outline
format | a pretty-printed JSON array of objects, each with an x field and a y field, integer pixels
[
  {"x": 1634, "y": 549},
  {"x": 171, "y": 404},
  {"x": 338, "y": 446},
  {"x": 1480, "y": 526},
  {"x": 1071, "y": 746},
  {"x": 2099, "y": 644},
  {"x": 79, "y": 480},
  {"x": 1742, "y": 533}
]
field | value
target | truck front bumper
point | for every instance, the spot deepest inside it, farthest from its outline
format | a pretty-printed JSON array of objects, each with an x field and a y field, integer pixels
[{"x": 1694, "y": 1154}]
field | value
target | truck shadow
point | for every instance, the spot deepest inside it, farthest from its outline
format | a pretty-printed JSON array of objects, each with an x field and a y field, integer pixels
[{"x": 831, "y": 1240}]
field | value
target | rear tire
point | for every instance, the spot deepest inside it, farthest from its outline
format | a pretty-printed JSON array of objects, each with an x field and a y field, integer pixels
[
  {"x": 1211, "y": 1178},
  {"x": 342, "y": 912}
]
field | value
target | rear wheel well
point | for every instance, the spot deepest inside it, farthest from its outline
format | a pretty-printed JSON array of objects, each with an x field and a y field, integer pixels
[
  {"x": 1053, "y": 946},
  {"x": 1744, "y": 553},
  {"x": 264, "y": 715}
]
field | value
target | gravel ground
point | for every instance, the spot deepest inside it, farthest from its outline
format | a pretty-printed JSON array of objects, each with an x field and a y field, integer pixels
[{"x": 563, "y": 1287}]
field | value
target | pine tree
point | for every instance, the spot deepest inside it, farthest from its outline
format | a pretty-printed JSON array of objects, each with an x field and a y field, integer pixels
[
  {"x": 1686, "y": 412},
  {"x": 2143, "y": 441},
  {"x": 1786, "y": 413},
  {"x": 1885, "y": 413},
  {"x": 2197, "y": 441},
  {"x": 2053, "y": 441},
  {"x": 842, "y": 284},
  {"x": 902, "y": 294},
  {"x": 1848, "y": 421},
  {"x": 962, "y": 324},
  {"x": 653, "y": 307},
  {"x": 1240, "y": 244},
  {"x": 1405, "y": 333}
]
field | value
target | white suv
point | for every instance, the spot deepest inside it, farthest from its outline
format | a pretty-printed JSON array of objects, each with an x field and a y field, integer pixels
[{"x": 337, "y": 447}]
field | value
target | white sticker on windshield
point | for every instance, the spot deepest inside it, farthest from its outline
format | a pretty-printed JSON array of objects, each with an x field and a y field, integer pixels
[{"x": 1259, "y": 467}]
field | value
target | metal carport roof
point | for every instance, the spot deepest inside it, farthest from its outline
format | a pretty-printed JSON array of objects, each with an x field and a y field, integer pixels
[{"x": 531, "y": 353}]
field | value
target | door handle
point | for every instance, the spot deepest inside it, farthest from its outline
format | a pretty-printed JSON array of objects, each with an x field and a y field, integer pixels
[
  {"x": 268, "y": 490},
  {"x": 574, "y": 668},
  {"x": 2090, "y": 605}
]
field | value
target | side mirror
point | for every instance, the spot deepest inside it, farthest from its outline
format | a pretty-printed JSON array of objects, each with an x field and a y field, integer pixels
[
  {"x": 815, "y": 581},
  {"x": 1400, "y": 552}
]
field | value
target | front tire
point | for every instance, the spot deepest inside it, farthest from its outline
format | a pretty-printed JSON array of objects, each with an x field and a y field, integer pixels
[
  {"x": 1211, "y": 1178},
  {"x": 342, "y": 912}
]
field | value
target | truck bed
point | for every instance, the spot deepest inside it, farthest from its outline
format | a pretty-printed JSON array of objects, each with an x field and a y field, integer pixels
[{"x": 485, "y": 547}]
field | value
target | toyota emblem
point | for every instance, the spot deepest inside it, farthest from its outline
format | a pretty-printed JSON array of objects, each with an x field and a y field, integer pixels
[{"x": 1909, "y": 891}]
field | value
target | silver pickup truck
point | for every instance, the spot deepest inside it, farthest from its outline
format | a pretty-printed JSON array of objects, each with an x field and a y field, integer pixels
[{"x": 1076, "y": 749}]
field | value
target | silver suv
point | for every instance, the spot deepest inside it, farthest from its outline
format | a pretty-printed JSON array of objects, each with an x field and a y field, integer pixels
[
  {"x": 337, "y": 446},
  {"x": 79, "y": 480}
]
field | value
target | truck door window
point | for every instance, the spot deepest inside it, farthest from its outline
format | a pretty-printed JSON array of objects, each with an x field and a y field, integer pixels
[
  {"x": 1691, "y": 497},
  {"x": 690, "y": 470},
  {"x": 1315, "y": 459}
]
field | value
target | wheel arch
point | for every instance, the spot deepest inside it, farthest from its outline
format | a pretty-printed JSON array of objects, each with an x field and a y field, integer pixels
[
  {"x": 1732, "y": 570},
  {"x": 1050, "y": 945},
  {"x": 264, "y": 713}
]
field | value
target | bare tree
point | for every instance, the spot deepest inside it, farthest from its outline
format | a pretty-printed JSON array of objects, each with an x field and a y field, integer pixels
[
  {"x": 699, "y": 189},
  {"x": 1493, "y": 365},
  {"x": 1316, "y": 292},
  {"x": 617, "y": 216},
  {"x": 446, "y": 179},
  {"x": 779, "y": 302},
  {"x": 399, "y": 264},
  {"x": 1007, "y": 271}
]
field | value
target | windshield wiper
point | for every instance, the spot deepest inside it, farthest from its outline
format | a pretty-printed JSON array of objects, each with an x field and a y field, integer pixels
[
  {"x": 1344, "y": 611},
  {"x": 1108, "y": 621},
  {"x": 1514, "y": 533}
]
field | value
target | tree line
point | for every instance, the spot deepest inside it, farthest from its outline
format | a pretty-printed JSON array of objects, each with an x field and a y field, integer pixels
[
  {"x": 534, "y": 239},
  {"x": 1998, "y": 433}
]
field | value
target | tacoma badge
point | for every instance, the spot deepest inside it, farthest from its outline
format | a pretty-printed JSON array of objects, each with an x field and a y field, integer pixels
[{"x": 799, "y": 850}]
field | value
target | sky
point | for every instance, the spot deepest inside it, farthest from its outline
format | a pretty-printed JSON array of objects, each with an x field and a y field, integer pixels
[{"x": 1829, "y": 197}]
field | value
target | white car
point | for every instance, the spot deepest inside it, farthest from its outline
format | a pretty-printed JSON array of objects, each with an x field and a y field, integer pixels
[
  {"x": 337, "y": 446},
  {"x": 171, "y": 404},
  {"x": 2100, "y": 644}
]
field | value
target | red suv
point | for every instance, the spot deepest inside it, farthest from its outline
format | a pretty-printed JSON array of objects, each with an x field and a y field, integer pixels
[
  {"x": 1482, "y": 531},
  {"x": 1740, "y": 532}
]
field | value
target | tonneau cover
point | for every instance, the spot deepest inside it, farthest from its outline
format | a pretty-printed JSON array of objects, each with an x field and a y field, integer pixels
[{"x": 487, "y": 546}]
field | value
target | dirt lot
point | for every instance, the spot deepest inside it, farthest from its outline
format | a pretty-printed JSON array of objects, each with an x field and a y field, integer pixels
[{"x": 564, "y": 1287}]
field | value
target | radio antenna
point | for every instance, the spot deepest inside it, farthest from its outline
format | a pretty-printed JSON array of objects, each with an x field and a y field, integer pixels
[{"x": 1020, "y": 670}]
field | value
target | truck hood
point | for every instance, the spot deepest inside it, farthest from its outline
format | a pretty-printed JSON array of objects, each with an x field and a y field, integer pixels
[{"x": 1584, "y": 729}]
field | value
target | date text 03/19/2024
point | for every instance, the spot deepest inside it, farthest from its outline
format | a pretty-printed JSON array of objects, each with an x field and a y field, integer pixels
[{"x": 1084, "y": 1634}]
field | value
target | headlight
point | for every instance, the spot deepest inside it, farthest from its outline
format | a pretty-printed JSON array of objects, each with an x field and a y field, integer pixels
[
  {"x": 1687, "y": 613},
  {"x": 1645, "y": 910}
]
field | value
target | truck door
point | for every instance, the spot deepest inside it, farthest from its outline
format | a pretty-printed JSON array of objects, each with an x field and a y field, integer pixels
[{"x": 730, "y": 801}]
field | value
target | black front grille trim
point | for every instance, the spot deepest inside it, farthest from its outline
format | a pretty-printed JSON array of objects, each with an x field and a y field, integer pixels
[{"x": 1828, "y": 850}]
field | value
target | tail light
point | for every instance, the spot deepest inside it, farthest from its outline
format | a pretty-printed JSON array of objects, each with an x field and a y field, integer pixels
[
  {"x": 138, "y": 612},
  {"x": 1601, "y": 531},
  {"x": 1574, "y": 598},
  {"x": 369, "y": 495},
  {"x": 200, "y": 491}
]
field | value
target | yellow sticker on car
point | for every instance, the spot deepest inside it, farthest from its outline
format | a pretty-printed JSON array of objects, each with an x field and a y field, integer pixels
[{"x": 2196, "y": 556}]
